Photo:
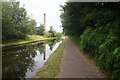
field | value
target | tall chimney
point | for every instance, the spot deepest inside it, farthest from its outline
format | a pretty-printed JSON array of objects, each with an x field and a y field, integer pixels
[{"x": 44, "y": 22}]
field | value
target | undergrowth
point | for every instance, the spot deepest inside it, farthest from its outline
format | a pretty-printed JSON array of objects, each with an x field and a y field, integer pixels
[{"x": 104, "y": 46}]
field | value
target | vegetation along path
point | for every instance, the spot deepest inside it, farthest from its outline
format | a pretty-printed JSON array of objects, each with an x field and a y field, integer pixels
[{"x": 76, "y": 65}]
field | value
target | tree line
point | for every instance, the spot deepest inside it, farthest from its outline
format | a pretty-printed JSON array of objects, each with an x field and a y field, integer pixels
[
  {"x": 96, "y": 26},
  {"x": 51, "y": 33},
  {"x": 16, "y": 24}
]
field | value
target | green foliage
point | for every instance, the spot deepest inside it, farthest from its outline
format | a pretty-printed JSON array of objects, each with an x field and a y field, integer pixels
[
  {"x": 39, "y": 30},
  {"x": 58, "y": 34},
  {"x": 52, "y": 31},
  {"x": 48, "y": 35},
  {"x": 76, "y": 17},
  {"x": 97, "y": 25},
  {"x": 15, "y": 23},
  {"x": 103, "y": 47}
]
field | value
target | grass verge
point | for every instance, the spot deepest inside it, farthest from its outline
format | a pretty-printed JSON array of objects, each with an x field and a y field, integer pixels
[
  {"x": 31, "y": 38},
  {"x": 52, "y": 66}
]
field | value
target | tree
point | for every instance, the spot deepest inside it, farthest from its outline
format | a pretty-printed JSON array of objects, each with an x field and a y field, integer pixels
[
  {"x": 52, "y": 31},
  {"x": 40, "y": 30},
  {"x": 96, "y": 27},
  {"x": 58, "y": 34},
  {"x": 15, "y": 23}
]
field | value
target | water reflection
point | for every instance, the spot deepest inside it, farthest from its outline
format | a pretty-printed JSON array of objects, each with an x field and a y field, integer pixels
[
  {"x": 53, "y": 42},
  {"x": 24, "y": 62}
]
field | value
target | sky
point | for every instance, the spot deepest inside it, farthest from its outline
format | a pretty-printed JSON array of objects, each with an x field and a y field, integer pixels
[{"x": 36, "y": 9}]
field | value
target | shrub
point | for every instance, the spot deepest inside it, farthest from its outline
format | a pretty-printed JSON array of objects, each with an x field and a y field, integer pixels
[{"x": 104, "y": 47}]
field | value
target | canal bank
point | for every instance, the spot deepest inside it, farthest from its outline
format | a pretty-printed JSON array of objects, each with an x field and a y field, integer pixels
[
  {"x": 52, "y": 66},
  {"x": 32, "y": 39}
]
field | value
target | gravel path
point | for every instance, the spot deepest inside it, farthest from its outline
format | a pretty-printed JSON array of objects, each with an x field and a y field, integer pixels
[{"x": 76, "y": 65}]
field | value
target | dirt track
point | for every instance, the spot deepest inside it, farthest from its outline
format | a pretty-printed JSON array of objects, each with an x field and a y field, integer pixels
[{"x": 76, "y": 65}]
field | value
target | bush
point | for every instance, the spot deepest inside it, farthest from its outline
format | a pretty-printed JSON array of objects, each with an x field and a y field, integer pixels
[
  {"x": 104, "y": 47},
  {"x": 48, "y": 34},
  {"x": 58, "y": 34}
]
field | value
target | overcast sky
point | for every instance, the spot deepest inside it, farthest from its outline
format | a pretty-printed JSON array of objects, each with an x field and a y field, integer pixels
[{"x": 37, "y": 8}]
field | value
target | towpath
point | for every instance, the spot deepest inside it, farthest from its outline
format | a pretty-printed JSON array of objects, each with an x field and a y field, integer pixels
[{"x": 76, "y": 65}]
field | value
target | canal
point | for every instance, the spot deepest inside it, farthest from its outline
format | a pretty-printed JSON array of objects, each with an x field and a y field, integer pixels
[{"x": 25, "y": 61}]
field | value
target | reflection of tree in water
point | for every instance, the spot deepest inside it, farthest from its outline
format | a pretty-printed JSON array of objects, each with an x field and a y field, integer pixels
[
  {"x": 17, "y": 61},
  {"x": 41, "y": 48},
  {"x": 53, "y": 42}
]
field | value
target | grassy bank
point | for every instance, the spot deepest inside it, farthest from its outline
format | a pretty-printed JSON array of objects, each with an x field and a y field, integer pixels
[
  {"x": 31, "y": 38},
  {"x": 52, "y": 66}
]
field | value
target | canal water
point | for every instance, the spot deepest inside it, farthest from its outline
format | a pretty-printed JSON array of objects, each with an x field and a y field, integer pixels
[{"x": 25, "y": 61}]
